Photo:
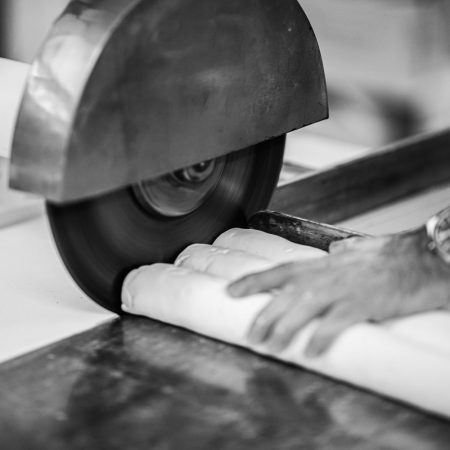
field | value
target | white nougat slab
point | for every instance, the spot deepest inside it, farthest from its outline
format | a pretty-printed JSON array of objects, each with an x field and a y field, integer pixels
[
  {"x": 226, "y": 263},
  {"x": 430, "y": 331},
  {"x": 369, "y": 356},
  {"x": 406, "y": 359},
  {"x": 264, "y": 245}
]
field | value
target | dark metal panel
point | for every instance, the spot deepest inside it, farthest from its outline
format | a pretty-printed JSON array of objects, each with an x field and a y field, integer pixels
[
  {"x": 125, "y": 90},
  {"x": 141, "y": 385},
  {"x": 3, "y": 27}
]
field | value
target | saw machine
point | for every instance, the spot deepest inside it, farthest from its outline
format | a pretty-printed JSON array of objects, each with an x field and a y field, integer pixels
[{"x": 150, "y": 125}]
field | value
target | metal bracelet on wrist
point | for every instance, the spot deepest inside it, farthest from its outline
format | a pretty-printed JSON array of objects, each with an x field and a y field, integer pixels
[{"x": 438, "y": 231}]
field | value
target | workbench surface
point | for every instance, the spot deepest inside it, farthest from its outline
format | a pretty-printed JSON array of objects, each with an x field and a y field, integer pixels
[
  {"x": 134, "y": 383},
  {"x": 137, "y": 384}
]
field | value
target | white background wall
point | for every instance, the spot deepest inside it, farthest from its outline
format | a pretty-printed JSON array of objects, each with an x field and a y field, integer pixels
[{"x": 26, "y": 23}]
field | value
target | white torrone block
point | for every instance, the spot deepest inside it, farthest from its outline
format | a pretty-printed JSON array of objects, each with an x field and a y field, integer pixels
[
  {"x": 265, "y": 245},
  {"x": 406, "y": 359},
  {"x": 222, "y": 262},
  {"x": 368, "y": 356}
]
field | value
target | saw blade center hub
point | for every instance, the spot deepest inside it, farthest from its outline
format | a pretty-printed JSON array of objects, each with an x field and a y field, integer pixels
[{"x": 181, "y": 192}]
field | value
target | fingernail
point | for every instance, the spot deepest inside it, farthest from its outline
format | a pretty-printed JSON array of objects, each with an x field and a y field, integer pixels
[
  {"x": 275, "y": 347},
  {"x": 310, "y": 353},
  {"x": 234, "y": 290},
  {"x": 313, "y": 351},
  {"x": 254, "y": 340},
  {"x": 256, "y": 336}
]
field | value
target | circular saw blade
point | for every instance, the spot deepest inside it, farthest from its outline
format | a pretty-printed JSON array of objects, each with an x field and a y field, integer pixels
[{"x": 102, "y": 239}]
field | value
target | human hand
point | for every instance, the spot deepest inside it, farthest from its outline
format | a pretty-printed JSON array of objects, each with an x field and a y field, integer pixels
[{"x": 363, "y": 279}]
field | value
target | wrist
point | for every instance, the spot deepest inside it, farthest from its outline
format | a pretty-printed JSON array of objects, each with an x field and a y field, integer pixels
[
  {"x": 414, "y": 239},
  {"x": 438, "y": 231},
  {"x": 423, "y": 267}
]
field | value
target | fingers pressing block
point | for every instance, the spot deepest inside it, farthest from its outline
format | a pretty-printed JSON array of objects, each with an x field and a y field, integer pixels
[{"x": 261, "y": 282}]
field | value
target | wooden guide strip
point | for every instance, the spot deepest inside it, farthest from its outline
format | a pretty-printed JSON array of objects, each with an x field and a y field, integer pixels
[
  {"x": 352, "y": 188},
  {"x": 300, "y": 231}
]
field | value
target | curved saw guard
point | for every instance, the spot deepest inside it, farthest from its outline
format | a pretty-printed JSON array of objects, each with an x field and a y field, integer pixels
[{"x": 126, "y": 90}]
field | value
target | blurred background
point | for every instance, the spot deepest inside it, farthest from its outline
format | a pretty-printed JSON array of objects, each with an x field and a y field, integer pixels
[
  {"x": 387, "y": 61},
  {"x": 387, "y": 64}
]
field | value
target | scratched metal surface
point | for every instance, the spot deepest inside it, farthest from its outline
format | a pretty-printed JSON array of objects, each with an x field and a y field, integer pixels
[{"x": 138, "y": 384}]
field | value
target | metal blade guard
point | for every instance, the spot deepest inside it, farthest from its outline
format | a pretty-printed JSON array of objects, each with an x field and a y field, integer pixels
[{"x": 127, "y": 90}]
